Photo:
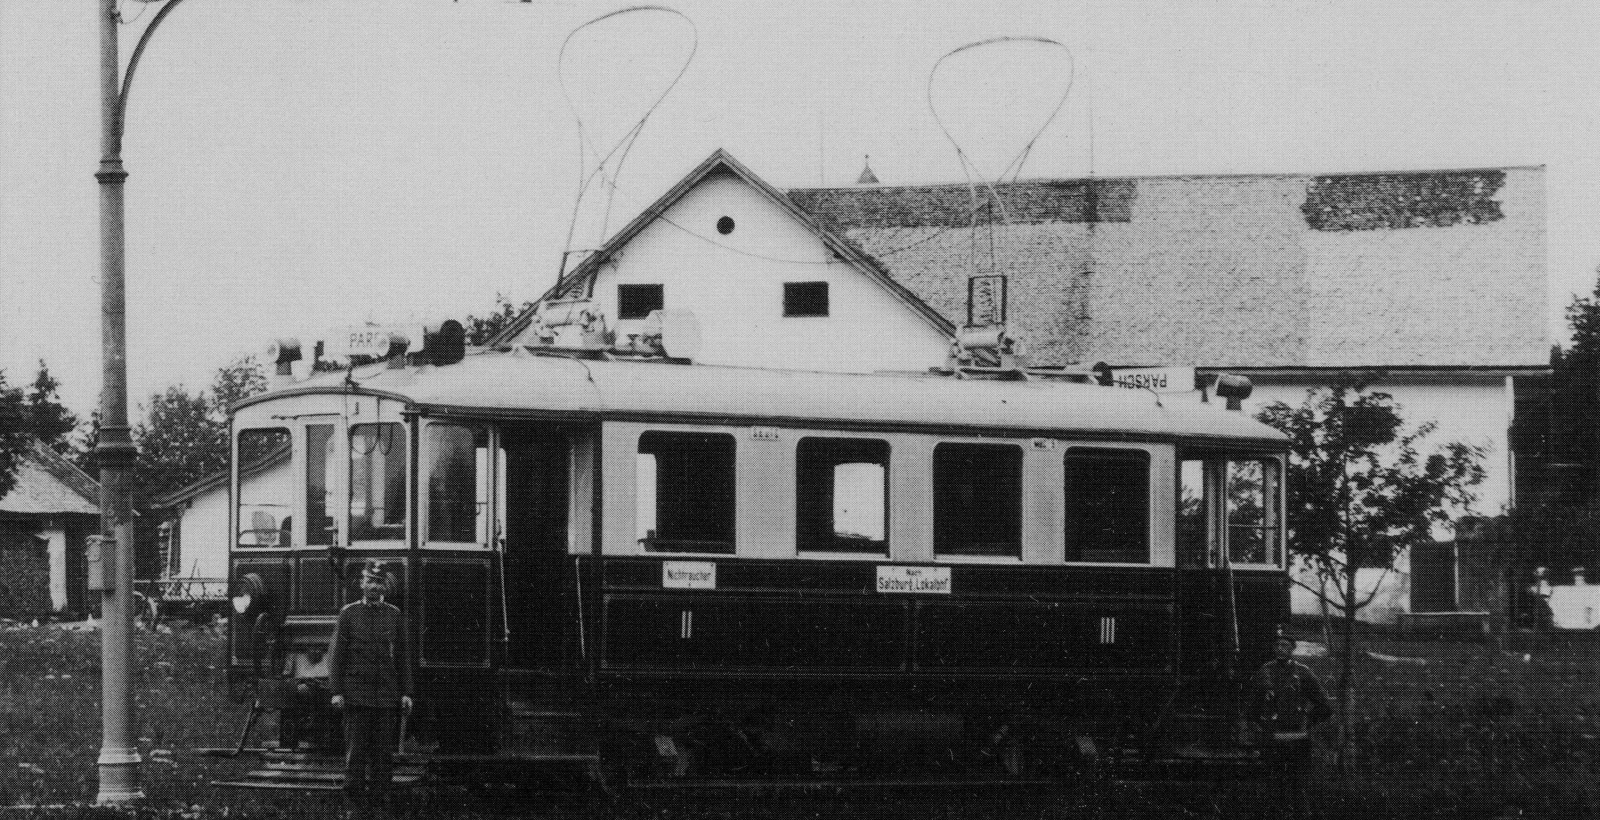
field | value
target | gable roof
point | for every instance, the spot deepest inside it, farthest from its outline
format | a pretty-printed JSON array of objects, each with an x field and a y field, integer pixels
[
  {"x": 1405, "y": 269},
  {"x": 48, "y": 484},
  {"x": 719, "y": 162},
  {"x": 219, "y": 479}
]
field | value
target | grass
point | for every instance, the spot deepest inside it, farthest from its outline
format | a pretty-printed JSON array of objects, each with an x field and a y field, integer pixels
[{"x": 1443, "y": 730}]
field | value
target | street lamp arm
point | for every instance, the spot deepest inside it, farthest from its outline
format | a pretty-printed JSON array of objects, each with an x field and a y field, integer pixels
[{"x": 133, "y": 63}]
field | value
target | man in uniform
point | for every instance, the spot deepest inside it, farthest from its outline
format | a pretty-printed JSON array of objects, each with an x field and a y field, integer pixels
[
  {"x": 370, "y": 679},
  {"x": 1287, "y": 700}
]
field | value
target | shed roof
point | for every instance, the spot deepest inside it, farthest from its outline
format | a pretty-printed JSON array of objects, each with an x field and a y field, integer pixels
[{"x": 48, "y": 484}]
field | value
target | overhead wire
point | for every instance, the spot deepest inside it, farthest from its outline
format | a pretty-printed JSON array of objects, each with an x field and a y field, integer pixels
[
  {"x": 1014, "y": 167},
  {"x": 624, "y": 145}
]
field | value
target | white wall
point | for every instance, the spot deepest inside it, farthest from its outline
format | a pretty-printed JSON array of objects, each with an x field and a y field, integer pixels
[
  {"x": 55, "y": 540},
  {"x": 203, "y": 537},
  {"x": 734, "y": 285},
  {"x": 1477, "y": 412}
]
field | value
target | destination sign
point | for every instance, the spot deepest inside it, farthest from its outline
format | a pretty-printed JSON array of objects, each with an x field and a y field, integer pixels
[
  {"x": 361, "y": 341},
  {"x": 688, "y": 575},
  {"x": 914, "y": 580},
  {"x": 1158, "y": 379}
]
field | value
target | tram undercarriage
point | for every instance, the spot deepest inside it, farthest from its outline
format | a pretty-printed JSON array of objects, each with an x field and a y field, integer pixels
[{"x": 538, "y": 732}]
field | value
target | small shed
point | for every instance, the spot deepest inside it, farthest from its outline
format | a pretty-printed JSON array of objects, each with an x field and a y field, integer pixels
[{"x": 45, "y": 521}]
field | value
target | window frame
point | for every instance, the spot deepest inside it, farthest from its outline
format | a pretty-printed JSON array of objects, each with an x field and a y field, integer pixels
[
  {"x": 486, "y": 487},
  {"x": 1104, "y": 455},
  {"x": 1272, "y": 513},
  {"x": 938, "y": 514},
  {"x": 880, "y": 548},
  {"x": 652, "y": 544},
  {"x": 401, "y": 447},
  {"x": 1216, "y": 506},
  {"x": 284, "y": 539}
]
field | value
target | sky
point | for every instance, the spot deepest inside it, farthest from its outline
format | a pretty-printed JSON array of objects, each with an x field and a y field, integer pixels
[{"x": 297, "y": 166}]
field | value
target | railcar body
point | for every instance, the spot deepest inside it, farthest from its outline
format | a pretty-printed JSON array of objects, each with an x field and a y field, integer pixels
[{"x": 716, "y": 571}]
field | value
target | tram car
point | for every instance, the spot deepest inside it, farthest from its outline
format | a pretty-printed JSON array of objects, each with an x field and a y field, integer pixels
[{"x": 676, "y": 570}]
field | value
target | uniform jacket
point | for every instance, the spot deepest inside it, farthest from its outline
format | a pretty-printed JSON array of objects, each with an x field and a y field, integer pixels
[
  {"x": 1288, "y": 699},
  {"x": 368, "y": 660}
]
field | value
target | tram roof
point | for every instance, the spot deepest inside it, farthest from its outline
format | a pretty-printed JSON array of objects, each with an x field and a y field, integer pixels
[{"x": 512, "y": 384}]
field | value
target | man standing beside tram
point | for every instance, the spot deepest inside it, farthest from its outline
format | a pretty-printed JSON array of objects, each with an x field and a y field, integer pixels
[{"x": 370, "y": 678}]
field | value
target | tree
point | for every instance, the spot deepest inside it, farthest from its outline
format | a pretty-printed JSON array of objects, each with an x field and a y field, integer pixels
[
  {"x": 51, "y": 421},
  {"x": 240, "y": 380},
  {"x": 1360, "y": 491},
  {"x": 481, "y": 329},
  {"x": 1557, "y": 443},
  {"x": 184, "y": 436},
  {"x": 33, "y": 414},
  {"x": 14, "y": 433},
  {"x": 179, "y": 443},
  {"x": 1574, "y": 440}
]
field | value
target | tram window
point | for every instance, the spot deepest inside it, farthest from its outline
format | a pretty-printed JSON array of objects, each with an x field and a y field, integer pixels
[
  {"x": 685, "y": 485},
  {"x": 265, "y": 491},
  {"x": 1108, "y": 505},
  {"x": 377, "y": 482},
  {"x": 457, "y": 470},
  {"x": 320, "y": 461},
  {"x": 977, "y": 499},
  {"x": 1192, "y": 542},
  {"x": 841, "y": 495},
  {"x": 1252, "y": 512}
]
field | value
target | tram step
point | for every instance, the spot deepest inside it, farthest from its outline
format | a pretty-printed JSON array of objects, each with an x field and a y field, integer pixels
[
  {"x": 517, "y": 757},
  {"x": 534, "y": 713},
  {"x": 312, "y": 780},
  {"x": 263, "y": 784}
]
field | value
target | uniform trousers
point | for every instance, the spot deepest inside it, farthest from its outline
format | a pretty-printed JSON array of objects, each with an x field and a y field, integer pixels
[{"x": 369, "y": 747}]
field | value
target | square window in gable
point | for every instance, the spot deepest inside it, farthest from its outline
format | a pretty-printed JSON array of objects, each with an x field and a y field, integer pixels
[
  {"x": 805, "y": 298},
  {"x": 636, "y": 301}
]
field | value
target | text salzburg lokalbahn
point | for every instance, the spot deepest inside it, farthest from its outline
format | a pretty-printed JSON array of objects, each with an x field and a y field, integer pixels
[{"x": 674, "y": 570}]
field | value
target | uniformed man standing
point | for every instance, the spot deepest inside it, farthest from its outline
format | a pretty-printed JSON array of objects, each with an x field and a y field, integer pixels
[
  {"x": 1288, "y": 700},
  {"x": 370, "y": 679}
]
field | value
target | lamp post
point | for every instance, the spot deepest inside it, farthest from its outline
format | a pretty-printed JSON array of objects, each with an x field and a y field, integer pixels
[{"x": 115, "y": 452}]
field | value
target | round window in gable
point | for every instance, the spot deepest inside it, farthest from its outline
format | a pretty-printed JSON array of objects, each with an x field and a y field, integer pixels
[{"x": 725, "y": 225}]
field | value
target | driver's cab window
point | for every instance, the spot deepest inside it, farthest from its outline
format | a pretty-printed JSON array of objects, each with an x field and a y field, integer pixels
[
  {"x": 377, "y": 482},
  {"x": 322, "y": 458},
  {"x": 1230, "y": 511},
  {"x": 456, "y": 466},
  {"x": 266, "y": 491}
]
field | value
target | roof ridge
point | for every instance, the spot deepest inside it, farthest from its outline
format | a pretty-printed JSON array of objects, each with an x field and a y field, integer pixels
[{"x": 63, "y": 470}]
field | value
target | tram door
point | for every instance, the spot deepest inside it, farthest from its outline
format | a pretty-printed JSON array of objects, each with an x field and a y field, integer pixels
[{"x": 538, "y": 609}]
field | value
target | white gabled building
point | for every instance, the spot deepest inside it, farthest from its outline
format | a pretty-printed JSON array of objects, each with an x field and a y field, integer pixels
[{"x": 768, "y": 285}]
